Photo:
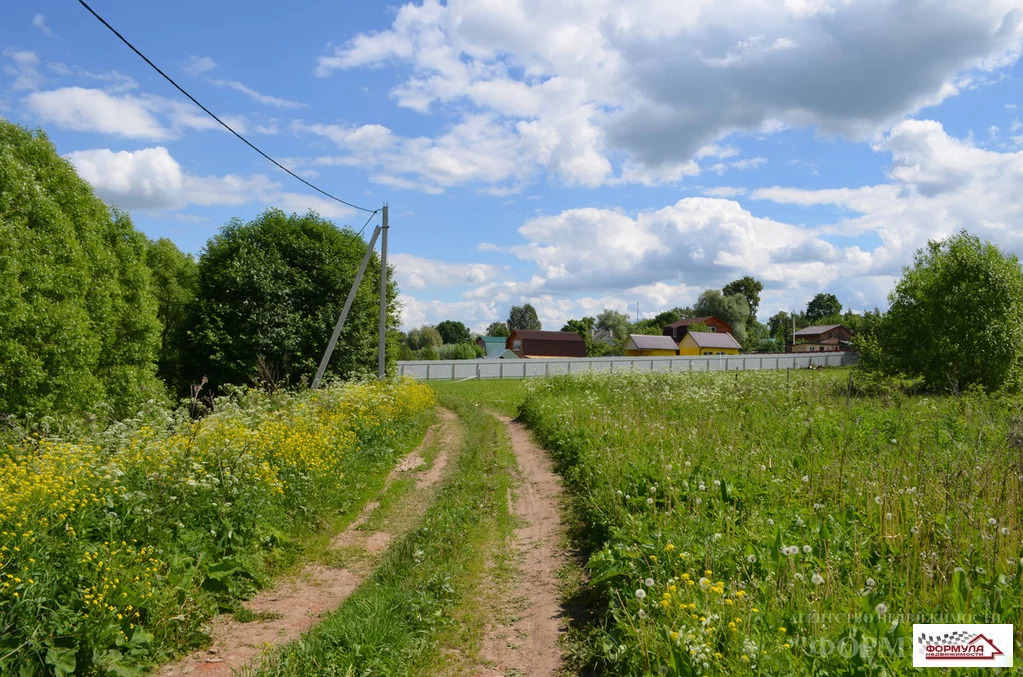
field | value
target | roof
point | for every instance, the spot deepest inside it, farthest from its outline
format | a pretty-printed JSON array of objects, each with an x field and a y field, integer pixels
[
  {"x": 502, "y": 354},
  {"x": 534, "y": 335},
  {"x": 685, "y": 321},
  {"x": 816, "y": 329},
  {"x": 645, "y": 342},
  {"x": 494, "y": 345},
  {"x": 709, "y": 339}
]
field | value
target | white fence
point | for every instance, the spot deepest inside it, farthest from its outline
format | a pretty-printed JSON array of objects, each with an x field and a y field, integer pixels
[{"x": 453, "y": 370}]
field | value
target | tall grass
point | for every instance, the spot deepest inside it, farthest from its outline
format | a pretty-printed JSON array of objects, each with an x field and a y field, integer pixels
[
  {"x": 114, "y": 550},
  {"x": 789, "y": 524}
]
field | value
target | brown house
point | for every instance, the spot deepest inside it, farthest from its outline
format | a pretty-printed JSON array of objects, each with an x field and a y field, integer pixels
[
  {"x": 822, "y": 338},
  {"x": 678, "y": 330},
  {"x": 529, "y": 343}
]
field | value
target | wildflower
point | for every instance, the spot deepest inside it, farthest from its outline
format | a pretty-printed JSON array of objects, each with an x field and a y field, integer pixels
[
  {"x": 914, "y": 530},
  {"x": 992, "y": 521},
  {"x": 1005, "y": 531},
  {"x": 782, "y": 631},
  {"x": 877, "y": 499},
  {"x": 640, "y": 594},
  {"x": 648, "y": 582},
  {"x": 881, "y": 609},
  {"x": 871, "y": 582},
  {"x": 763, "y": 467},
  {"x": 806, "y": 478},
  {"x": 717, "y": 483},
  {"x": 770, "y": 522},
  {"x": 817, "y": 579},
  {"x": 703, "y": 487},
  {"x": 751, "y": 558},
  {"x": 807, "y": 549},
  {"x": 649, "y": 501}
]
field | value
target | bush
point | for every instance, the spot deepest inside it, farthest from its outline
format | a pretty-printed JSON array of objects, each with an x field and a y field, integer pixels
[
  {"x": 956, "y": 317},
  {"x": 461, "y": 351},
  {"x": 78, "y": 320},
  {"x": 270, "y": 292}
]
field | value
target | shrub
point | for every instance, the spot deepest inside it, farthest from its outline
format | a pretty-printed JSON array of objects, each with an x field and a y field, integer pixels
[
  {"x": 956, "y": 317},
  {"x": 270, "y": 292}
]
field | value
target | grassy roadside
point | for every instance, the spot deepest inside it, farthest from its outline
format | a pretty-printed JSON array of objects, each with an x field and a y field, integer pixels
[{"x": 417, "y": 604}]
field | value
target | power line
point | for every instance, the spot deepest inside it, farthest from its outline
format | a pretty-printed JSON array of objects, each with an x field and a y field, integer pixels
[
  {"x": 367, "y": 223},
  {"x": 222, "y": 123}
]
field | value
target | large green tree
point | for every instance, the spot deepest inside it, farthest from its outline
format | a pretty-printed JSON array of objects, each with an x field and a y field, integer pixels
[
  {"x": 497, "y": 329},
  {"x": 956, "y": 316},
  {"x": 733, "y": 309},
  {"x": 78, "y": 319},
  {"x": 523, "y": 317},
  {"x": 615, "y": 322},
  {"x": 175, "y": 277},
  {"x": 822, "y": 306},
  {"x": 453, "y": 331},
  {"x": 270, "y": 292},
  {"x": 750, "y": 287}
]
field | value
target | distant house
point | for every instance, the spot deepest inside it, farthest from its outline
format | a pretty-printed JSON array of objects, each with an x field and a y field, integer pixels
[
  {"x": 708, "y": 343},
  {"x": 678, "y": 330},
  {"x": 649, "y": 346},
  {"x": 822, "y": 338},
  {"x": 530, "y": 343},
  {"x": 492, "y": 346}
]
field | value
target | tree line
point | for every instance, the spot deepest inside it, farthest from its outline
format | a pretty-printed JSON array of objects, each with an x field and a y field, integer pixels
[{"x": 97, "y": 319}]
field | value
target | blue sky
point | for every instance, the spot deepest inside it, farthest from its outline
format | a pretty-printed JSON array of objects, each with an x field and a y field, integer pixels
[{"x": 577, "y": 154}]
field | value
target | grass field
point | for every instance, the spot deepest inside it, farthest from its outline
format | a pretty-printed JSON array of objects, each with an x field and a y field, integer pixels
[
  {"x": 783, "y": 524},
  {"x": 115, "y": 549}
]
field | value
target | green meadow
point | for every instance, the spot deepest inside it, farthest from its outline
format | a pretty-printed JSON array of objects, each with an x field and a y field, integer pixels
[{"x": 782, "y": 523}]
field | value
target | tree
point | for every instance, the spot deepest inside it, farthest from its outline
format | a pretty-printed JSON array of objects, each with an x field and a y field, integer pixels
[
  {"x": 733, "y": 309},
  {"x": 453, "y": 331},
  {"x": 615, "y": 322},
  {"x": 821, "y": 306},
  {"x": 270, "y": 292},
  {"x": 956, "y": 316},
  {"x": 583, "y": 327},
  {"x": 424, "y": 337},
  {"x": 750, "y": 288},
  {"x": 523, "y": 317},
  {"x": 497, "y": 329},
  {"x": 175, "y": 277},
  {"x": 78, "y": 320}
]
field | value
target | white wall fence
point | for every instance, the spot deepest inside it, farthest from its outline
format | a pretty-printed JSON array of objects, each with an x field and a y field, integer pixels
[{"x": 454, "y": 370}]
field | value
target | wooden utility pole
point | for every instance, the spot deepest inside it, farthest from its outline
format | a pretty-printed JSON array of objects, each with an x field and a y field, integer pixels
[{"x": 381, "y": 358}]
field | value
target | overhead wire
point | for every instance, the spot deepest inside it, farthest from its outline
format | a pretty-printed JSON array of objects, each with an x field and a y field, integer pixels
[
  {"x": 222, "y": 123},
  {"x": 366, "y": 224}
]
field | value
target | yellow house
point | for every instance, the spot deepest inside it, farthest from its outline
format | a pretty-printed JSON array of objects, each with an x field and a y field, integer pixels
[
  {"x": 650, "y": 346},
  {"x": 708, "y": 343}
]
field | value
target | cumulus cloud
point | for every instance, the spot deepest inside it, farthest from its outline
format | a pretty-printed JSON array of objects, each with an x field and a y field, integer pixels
[
  {"x": 601, "y": 92},
  {"x": 937, "y": 185},
  {"x": 415, "y": 272},
  {"x": 151, "y": 179},
  {"x": 137, "y": 117}
]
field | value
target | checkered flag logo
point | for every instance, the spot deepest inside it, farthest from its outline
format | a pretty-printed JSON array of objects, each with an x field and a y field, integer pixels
[{"x": 957, "y": 637}]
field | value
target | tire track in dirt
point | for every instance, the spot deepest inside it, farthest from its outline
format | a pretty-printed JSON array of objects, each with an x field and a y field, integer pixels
[
  {"x": 524, "y": 639},
  {"x": 297, "y": 603}
]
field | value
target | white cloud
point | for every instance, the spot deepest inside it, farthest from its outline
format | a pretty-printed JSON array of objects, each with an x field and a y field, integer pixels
[
  {"x": 137, "y": 117},
  {"x": 197, "y": 65},
  {"x": 202, "y": 65},
  {"x": 415, "y": 272},
  {"x": 600, "y": 92},
  {"x": 148, "y": 178},
  {"x": 39, "y": 21},
  {"x": 24, "y": 70},
  {"x": 93, "y": 110},
  {"x": 116, "y": 82},
  {"x": 151, "y": 179},
  {"x": 938, "y": 185}
]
